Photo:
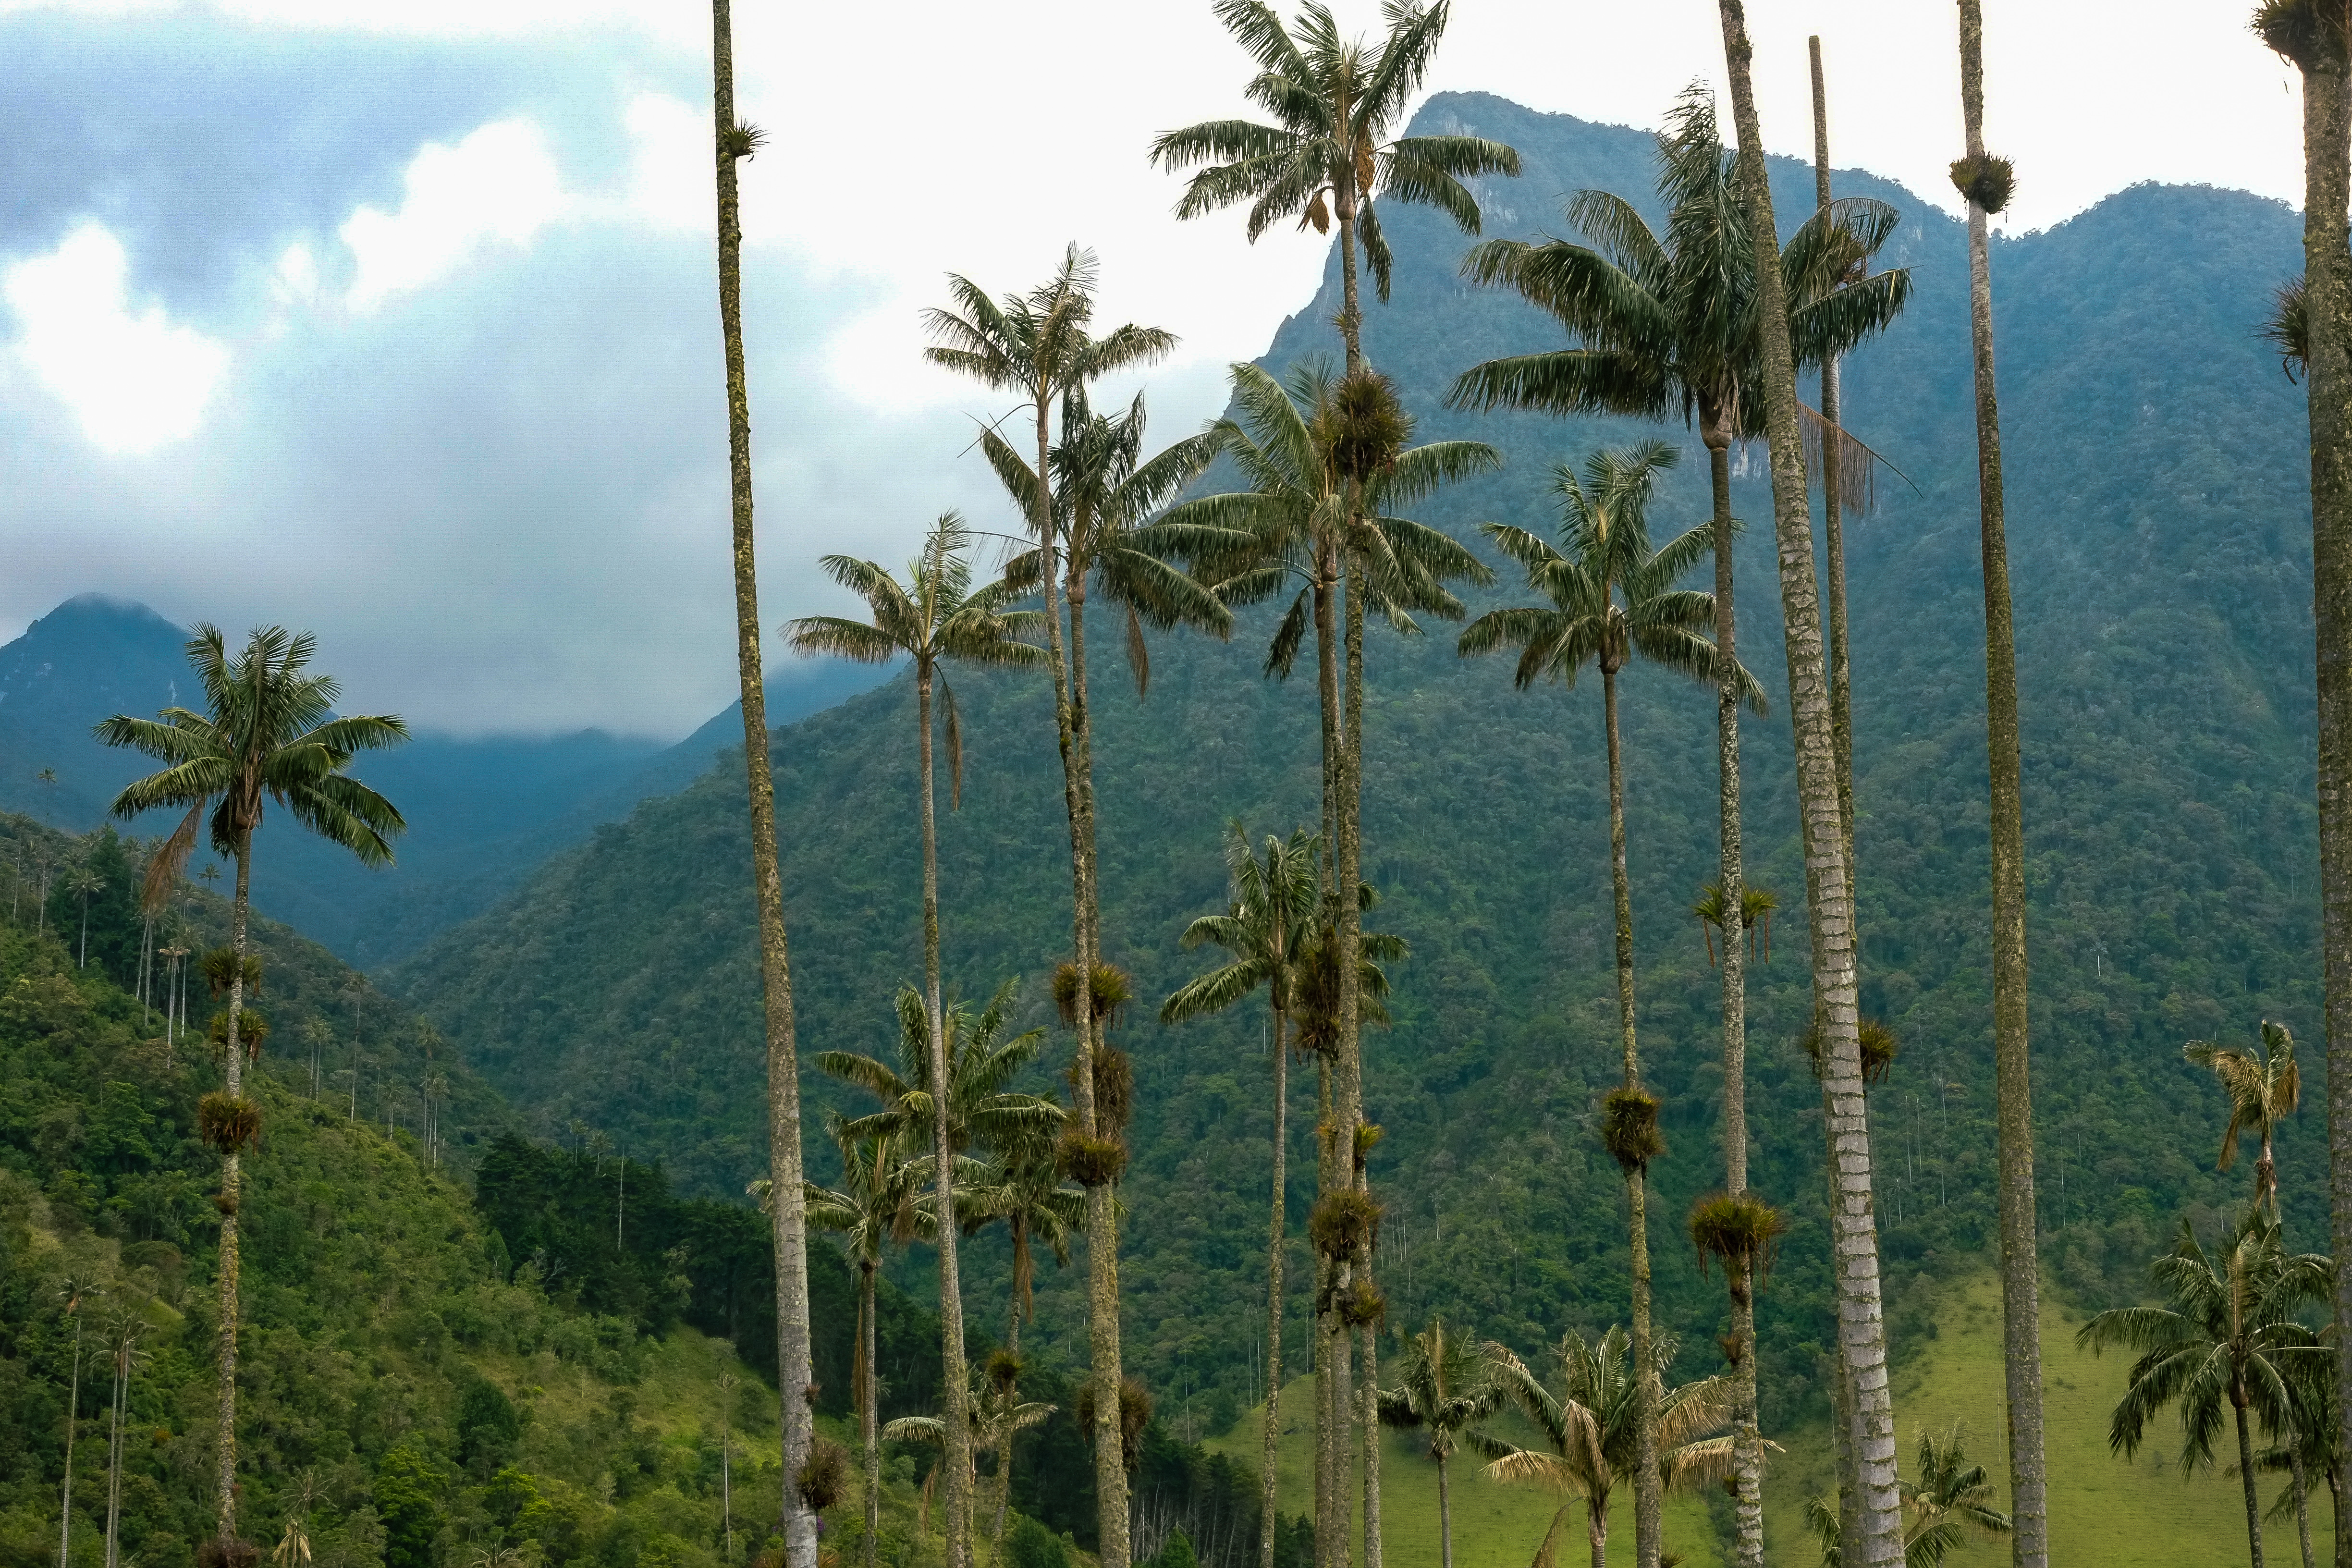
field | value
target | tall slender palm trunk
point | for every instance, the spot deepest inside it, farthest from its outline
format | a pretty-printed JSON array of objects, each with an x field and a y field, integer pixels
[
  {"x": 1844, "y": 1449},
  {"x": 795, "y": 1375},
  {"x": 1355, "y": 1402},
  {"x": 2246, "y": 1473},
  {"x": 1445, "y": 1516},
  {"x": 2327, "y": 366},
  {"x": 1747, "y": 1436},
  {"x": 1330, "y": 1379},
  {"x": 114, "y": 1453},
  {"x": 1011, "y": 1403},
  {"x": 868, "y": 1391},
  {"x": 1861, "y": 1332},
  {"x": 1269, "y": 1516},
  {"x": 2019, "y": 1265},
  {"x": 1649, "y": 1494},
  {"x": 1102, "y": 1220},
  {"x": 73, "y": 1425},
  {"x": 952, "y": 1366},
  {"x": 233, "y": 1056}
]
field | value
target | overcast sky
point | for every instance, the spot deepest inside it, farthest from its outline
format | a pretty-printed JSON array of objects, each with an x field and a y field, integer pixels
[{"x": 396, "y": 322}]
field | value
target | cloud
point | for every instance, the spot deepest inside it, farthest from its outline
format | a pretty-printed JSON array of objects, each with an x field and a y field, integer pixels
[
  {"x": 134, "y": 380},
  {"x": 499, "y": 184}
]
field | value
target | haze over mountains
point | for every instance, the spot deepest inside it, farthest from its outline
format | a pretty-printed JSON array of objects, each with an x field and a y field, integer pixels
[{"x": 482, "y": 811}]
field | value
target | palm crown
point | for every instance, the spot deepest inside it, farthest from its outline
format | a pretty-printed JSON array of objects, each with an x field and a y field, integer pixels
[
  {"x": 932, "y": 616},
  {"x": 271, "y": 731},
  {"x": 2263, "y": 1086},
  {"x": 1446, "y": 1384},
  {"x": 1105, "y": 493},
  {"x": 981, "y": 1059},
  {"x": 1671, "y": 325},
  {"x": 1036, "y": 343},
  {"x": 1301, "y": 509},
  {"x": 1267, "y": 928},
  {"x": 1333, "y": 105},
  {"x": 1612, "y": 596}
]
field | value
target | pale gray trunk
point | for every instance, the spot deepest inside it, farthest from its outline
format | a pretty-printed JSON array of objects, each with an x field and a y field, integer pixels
[
  {"x": 1862, "y": 1335},
  {"x": 1268, "y": 1508},
  {"x": 230, "y": 1197},
  {"x": 2020, "y": 1266},
  {"x": 1328, "y": 1529},
  {"x": 868, "y": 1394},
  {"x": 951, "y": 1363},
  {"x": 795, "y": 1379},
  {"x": 2327, "y": 366},
  {"x": 1649, "y": 1499},
  {"x": 1445, "y": 1516},
  {"x": 2246, "y": 1473},
  {"x": 1833, "y": 506},
  {"x": 1348, "y": 1082},
  {"x": 114, "y": 1458},
  {"x": 73, "y": 1424}
]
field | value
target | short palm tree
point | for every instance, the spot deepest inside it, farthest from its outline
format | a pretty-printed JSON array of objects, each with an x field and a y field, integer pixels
[
  {"x": 1610, "y": 598},
  {"x": 1951, "y": 1499},
  {"x": 1039, "y": 345},
  {"x": 1329, "y": 152},
  {"x": 1446, "y": 1386},
  {"x": 995, "y": 1413},
  {"x": 1588, "y": 1428},
  {"x": 880, "y": 1203},
  {"x": 269, "y": 731},
  {"x": 2229, "y": 1339},
  {"x": 933, "y": 616},
  {"x": 982, "y": 1057},
  {"x": 2263, "y": 1086},
  {"x": 1267, "y": 928},
  {"x": 1023, "y": 1189}
]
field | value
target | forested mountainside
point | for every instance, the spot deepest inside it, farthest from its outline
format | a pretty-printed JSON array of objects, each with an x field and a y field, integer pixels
[
  {"x": 2159, "y": 546},
  {"x": 482, "y": 811},
  {"x": 512, "y": 1345}
]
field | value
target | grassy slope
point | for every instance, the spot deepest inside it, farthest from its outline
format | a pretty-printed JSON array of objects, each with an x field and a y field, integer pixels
[
  {"x": 1495, "y": 1526},
  {"x": 2106, "y": 1512}
]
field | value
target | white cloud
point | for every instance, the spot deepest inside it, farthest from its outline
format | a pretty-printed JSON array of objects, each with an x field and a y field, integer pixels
[
  {"x": 501, "y": 183},
  {"x": 671, "y": 179},
  {"x": 135, "y": 381}
]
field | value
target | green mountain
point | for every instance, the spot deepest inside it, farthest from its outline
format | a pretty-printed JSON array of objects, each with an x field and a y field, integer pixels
[{"x": 2159, "y": 546}]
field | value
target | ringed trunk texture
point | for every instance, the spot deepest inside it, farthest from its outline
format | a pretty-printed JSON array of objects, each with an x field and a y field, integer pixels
[
  {"x": 794, "y": 1376},
  {"x": 2020, "y": 1289},
  {"x": 1649, "y": 1498},
  {"x": 1445, "y": 1516},
  {"x": 2302, "y": 1501},
  {"x": 1746, "y": 1434},
  {"x": 1351, "y": 1058},
  {"x": 1367, "y": 1419},
  {"x": 1004, "y": 1439},
  {"x": 1596, "y": 1533},
  {"x": 73, "y": 1424},
  {"x": 952, "y": 1366},
  {"x": 1327, "y": 1530},
  {"x": 230, "y": 1198},
  {"x": 1833, "y": 501},
  {"x": 2328, "y": 301},
  {"x": 1862, "y": 1333},
  {"x": 1268, "y": 1512}
]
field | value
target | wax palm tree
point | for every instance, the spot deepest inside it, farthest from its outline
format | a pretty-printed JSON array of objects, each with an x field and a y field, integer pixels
[
  {"x": 1446, "y": 1386},
  {"x": 733, "y": 139},
  {"x": 1828, "y": 881},
  {"x": 982, "y": 1057},
  {"x": 880, "y": 1203},
  {"x": 2263, "y": 1086},
  {"x": 1328, "y": 468},
  {"x": 1950, "y": 1500},
  {"x": 2316, "y": 36},
  {"x": 933, "y": 616},
  {"x": 1268, "y": 924},
  {"x": 1039, "y": 345},
  {"x": 1588, "y": 1428},
  {"x": 2229, "y": 1339},
  {"x": 83, "y": 884},
  {"x": 1610, "y": 598},
  {"x": 994, "y": 1416},
  {"x": 1329, "y": 153},
  {"x": 1667, "y": 324},
  {"x": 270, "y": 732}
]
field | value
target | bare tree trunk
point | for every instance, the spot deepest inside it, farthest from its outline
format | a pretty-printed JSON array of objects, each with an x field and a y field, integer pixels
[
  {"x": 1368, "y": 1418},
  {"x": 868, "y": 1394},
  {"x": 1004, "y": 1439},
  {"x": 1747, "y": 1436},
  {"x": 1348, "y": 1082},
  {"x": 951, "y": 1363},
  {"x": 2020, "y": 1267},
  {"x": 73, "y": 1425},
  {"x": 1444, "y": 1517},
  {"x": 1269, "y": 1517},
  {"x": 2246, "y": 1473},
  {"x": 234, "y": 1056},
  {"x": 1649, "y": 1499},
  {"x": 1833, "y": 504},
  {"x": 2327, "y": 364},
  {"x": 795, "y": 1378},
  {"x": 114, "y": 1458},
  {"x": 1861, "y": 1332},
  {"x": 2301, "y": 1498}
]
